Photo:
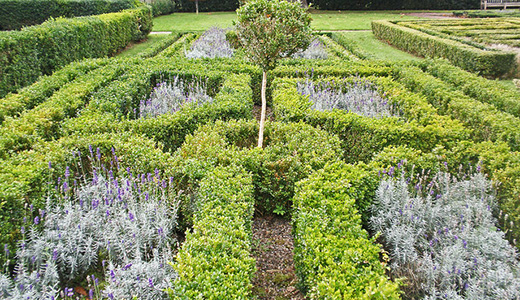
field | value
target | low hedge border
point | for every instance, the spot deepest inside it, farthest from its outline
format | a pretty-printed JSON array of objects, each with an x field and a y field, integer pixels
[
  {"x": 28, "y": 97},
  {"x": 361, "y": 137},
  {"x": 233, "y": 101},
  {"x": 337, "y": 50},
  {"x": 159, "y": 47},
  {"x": 177, "y": 49},
  {"x": 15, "y": 14},
  {"x": 39, "y": 50},
  {"x": 487, "y": 63},
  {"x": 487, "y": 122},
  {"x": 333, "y": 255},
  {"x": 351, "y": 47},
  {"x": 215, "y": 261},
  {"x": 43, "y": 122},
  {"x": 476, "y": 87}
]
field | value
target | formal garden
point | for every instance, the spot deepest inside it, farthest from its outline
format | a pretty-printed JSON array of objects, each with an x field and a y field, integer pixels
[{"x": 267, "y": 153}]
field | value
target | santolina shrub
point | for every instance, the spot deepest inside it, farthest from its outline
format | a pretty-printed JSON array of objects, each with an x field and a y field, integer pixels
[
  {"x": 170, "y": 97},
  {"x": 443, "y": 237},
  {"x": 359, "y": 97},
  {"x": 124, "y": 227},
  {"x": 211, "y": 44}
]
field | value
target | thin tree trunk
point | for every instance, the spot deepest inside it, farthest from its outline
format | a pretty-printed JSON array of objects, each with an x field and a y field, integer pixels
[
  {"x": 264, "y": 105},
  {"x": 197, "y": 6}
]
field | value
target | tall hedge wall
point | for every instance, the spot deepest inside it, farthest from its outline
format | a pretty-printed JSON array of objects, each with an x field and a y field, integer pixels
[
  {"x": 39, "y": 50},
  {"x": 394, "y": 4},
  {"x": 207, "y": 5},
  {"x": 15, "y": 14}
]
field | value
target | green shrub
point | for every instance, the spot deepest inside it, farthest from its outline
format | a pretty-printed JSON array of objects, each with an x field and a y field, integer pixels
[
  {"x": 292, "y": 151},
  {"x": 44, "y": 121},
  {"x": 215, "y": 260},
  {"x": 488, "y": 63},
  {"x": 360, "y": 136},
  {"x": 15, "y": 14},
  {"x": 39, "y": 50},
  {"x": 333, "y": 255},
  {"x": 45, "y": 87},
  {"x": 160, "y": 46},
  {"x": 476, "y": 87},
  {"x": 486, "y": 121}
]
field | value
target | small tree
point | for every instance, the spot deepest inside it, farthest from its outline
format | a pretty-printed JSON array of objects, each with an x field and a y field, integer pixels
[{"x": 270, "y": 30}]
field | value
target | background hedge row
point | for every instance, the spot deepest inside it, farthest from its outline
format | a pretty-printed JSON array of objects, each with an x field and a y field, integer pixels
[
  {"x": 39, "y": 50},
  {"x": 394, "y": 4},
  {"x": 15, "y": 14},
  {"x": 488, "y": 63}
]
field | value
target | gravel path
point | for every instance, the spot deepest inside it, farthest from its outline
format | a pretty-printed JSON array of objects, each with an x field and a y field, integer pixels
[{"x": 273, "y": 251}]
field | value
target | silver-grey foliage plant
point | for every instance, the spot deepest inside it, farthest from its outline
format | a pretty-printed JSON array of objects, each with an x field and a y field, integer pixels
[
  {"x": 169, "y": 97},
  {"x": 316, "y": 50},
  {"x": 211, "y": 44},
  {"x": 445, "y": 241},
  {"x": 127, "y": 223},
  {"x": 359, "y": 97}
]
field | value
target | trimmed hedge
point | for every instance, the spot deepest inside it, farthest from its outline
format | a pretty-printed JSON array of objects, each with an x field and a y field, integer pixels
[
  {"x": 15, "y": 14},
  {"x": 478, "y": 88},
  {"x": 395, "y": 4},
  {"x": 215, "y": 260},
  {"x": 487, "y": 122},
  {"x": 362, "y": 137},
  {"x": 207, "y": 5},
  {"x": 41, "y": 49},
  {"x": 43, "y": 122},
  {"x": 488, "y": 63},
  {"x": 160, "y": 46},
  {"x": 28, "y": 97},
  {"x": 333, "y": 255}
]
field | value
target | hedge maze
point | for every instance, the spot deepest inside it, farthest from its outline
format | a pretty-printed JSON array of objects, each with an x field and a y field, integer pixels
[
  {"x": 322, "y": 168},
  {"x": 486, "y": 46}
]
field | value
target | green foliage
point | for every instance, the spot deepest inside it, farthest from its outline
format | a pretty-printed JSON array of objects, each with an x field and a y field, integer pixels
[
  {"x": 270, "y": 30},
  {"x": 158, "y": 47},
  {"x": 488, "y": 63},
  {"x": 476, "y": 87},
  {"x": 291, "y": 153},
  {"x": 395, "y": 4},
  {"x": 362, "y": 137},
  {"x": 207, "y": 5},
  {"x": 334, "y": 257},
  {"x": 29, "y": 97},
  {"x": 39, "y": 50},
  {"x": 215, "y": 260},
  {"x": 486, "y": 121},
  {"x": 161, "y": 7},
  {"x": 15, "y": 14}
]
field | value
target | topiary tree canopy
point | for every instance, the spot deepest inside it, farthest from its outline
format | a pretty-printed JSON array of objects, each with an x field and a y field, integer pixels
[{"x": 269, "y": 31}]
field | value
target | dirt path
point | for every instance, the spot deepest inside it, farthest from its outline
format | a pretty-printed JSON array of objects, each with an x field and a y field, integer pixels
[{"x": 273, "y": 250}]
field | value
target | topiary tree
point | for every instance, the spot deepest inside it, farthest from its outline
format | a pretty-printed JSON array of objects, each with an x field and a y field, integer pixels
[{"x": 270, "y": 30}]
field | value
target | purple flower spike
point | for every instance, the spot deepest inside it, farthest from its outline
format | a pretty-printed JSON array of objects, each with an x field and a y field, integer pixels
[{"x": 36, "y": 220}]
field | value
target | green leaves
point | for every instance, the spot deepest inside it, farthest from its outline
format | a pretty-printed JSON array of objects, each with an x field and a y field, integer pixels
[{"x": 270, "y": 30}]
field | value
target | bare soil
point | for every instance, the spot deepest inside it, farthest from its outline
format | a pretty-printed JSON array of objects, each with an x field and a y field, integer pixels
[{"x": 273, "y": 251}]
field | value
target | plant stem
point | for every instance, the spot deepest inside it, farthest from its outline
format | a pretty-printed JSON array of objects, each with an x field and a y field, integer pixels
[{"x": 264, "y": 105}]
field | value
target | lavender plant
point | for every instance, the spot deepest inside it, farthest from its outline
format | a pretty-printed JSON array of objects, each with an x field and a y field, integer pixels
[
  {"x": 316, "y": 50},
  {"x": 127, "y": 223},
  {"x": 442, "y": 237},
  {"x": 211, "y": 44},
  {"x": 359, "y": 97},
  {"x": 171, "y": 97}
]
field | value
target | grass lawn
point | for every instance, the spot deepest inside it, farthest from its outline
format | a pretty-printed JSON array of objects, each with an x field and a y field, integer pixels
[
  {"x": 375, "y": 49},
  {"x": 134, "y": 49},
  {"x": 322, "y": 20}
]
